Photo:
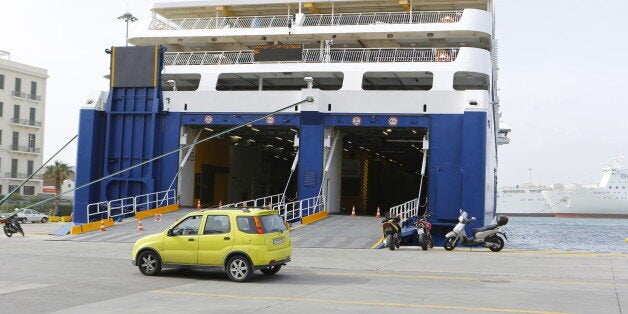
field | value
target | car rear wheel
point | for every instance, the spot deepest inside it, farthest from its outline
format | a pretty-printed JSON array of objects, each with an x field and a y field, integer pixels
[
  {"x": 239, "y": 269},
  {"x": 271, "y": 270},
  {"x": 149, "y": 264}
]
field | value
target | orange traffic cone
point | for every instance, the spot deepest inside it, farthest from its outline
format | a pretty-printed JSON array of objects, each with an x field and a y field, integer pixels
[
  {"x": 353, "y": 211},
  {"x": 198, "y": 205},
  {"x": 378, "y": 214},
  {"x": 140, "y": 227},
  {"x": 102, "y": 225}
]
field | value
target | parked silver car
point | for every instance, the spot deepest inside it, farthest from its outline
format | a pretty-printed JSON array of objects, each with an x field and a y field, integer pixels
[{"x": 30, "y": 215}]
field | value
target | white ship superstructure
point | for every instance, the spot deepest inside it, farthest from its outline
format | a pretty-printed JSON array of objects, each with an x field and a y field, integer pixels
[
  {"x": 524, "y": 200},
  {"x": 404, "y": 106},
  {"x": 609, "y": 198}
]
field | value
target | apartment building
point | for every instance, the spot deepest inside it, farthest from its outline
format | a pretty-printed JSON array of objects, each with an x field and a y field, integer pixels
[{"x": 22, "y": 112}]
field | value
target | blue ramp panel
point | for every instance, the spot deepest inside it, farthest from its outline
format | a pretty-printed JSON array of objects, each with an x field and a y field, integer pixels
[{"x": 132, "y": 129}]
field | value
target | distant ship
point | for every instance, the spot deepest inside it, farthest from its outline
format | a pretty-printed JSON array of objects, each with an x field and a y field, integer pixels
[
  {"x": 525, "y": 200},
  {"x": 607, "y": 199}
]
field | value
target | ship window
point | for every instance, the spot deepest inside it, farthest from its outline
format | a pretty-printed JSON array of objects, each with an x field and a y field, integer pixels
[
  {"x": 182, "y": 82},
  {"x": 278, "y": 81},
  {"x": 470, "y": 81},
  {"x": 397, "y": 81}
]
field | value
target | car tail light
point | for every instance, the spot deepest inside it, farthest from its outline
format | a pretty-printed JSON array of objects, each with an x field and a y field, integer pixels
[{"x": 258, "y": 225}]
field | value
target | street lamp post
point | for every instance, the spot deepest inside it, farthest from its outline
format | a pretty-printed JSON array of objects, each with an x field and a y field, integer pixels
[{"x": 127, "y": 17}]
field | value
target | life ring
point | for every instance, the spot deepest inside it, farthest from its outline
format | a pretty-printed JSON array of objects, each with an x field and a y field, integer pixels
[
  {"x": 447, "y": 19},
  {"x": 442, "y": 56}
]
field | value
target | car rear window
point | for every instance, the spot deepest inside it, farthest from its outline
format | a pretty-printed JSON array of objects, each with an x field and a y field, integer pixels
[{"x": 272, "y": 223}]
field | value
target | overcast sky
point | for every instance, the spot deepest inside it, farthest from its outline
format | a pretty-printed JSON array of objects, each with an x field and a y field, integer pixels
[{"x": 561, "y": 65}]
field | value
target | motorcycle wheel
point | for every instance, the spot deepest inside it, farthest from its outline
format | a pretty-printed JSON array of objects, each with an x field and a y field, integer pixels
[
  {"x": 431, "y": 241},
  {"x": 497, "y": 240},
  {"x": 423, "y": 241},
  {"x": 390, "y": 242},
  {"x": 8, "y": 232},
  {"x": 450, "y": 244}
]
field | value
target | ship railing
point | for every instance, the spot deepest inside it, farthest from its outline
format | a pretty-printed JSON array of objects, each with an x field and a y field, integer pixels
[
  {"x": 406, "y": 210},
  {"x": 221, "y": 22},
  {"x": 266, "y": 201},
  {"x": 129, "y": 206},
  {"x": 336, "y": 55},
  {"x": 292, "y": 212},
  {"x": 336, "y": 19},
  {"x": 371, "y": 18}
]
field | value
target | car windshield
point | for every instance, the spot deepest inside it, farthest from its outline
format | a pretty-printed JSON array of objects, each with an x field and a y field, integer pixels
[{"x": 273, "y": 223}]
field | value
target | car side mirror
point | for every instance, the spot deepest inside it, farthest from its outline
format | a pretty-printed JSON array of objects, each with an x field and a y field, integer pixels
[{"x": 170, "y": 233}]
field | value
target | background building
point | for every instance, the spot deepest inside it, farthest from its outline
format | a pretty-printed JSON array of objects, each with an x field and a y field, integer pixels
[{"x": 22, "y": 112}]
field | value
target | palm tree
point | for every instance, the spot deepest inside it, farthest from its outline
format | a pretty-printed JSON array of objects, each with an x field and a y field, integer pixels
[{"x": 58, "y": 172}]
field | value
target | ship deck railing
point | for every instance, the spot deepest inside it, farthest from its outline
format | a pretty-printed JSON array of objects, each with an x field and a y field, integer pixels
[
  {"x": 336, "y": 55},
  {"x": 337, "y": 19}
]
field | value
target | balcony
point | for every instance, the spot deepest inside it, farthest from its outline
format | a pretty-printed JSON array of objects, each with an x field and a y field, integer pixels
[
  {"x": 19, "y": 94},
  {"x": 339, "y": 19},
  {"x": 420, "y": 17},
  {"x": 342, "y": 55},
  {"x": 15, "y": 175},
  {"x": 25, "y": 149},
  {"x": 33, "y": 97},
  {"x": 25, "y": 122}
]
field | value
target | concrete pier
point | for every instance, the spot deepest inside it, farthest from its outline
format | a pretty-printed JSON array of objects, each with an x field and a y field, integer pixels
[{"x": 78, "y": 277}]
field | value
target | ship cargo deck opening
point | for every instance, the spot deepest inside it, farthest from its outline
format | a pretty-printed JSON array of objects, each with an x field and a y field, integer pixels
[{"x": 380, "y": 167}]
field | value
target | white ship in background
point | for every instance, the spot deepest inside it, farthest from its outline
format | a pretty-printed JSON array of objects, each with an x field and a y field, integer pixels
[
  {"x": 608, "y": 199},
  {"x": 524, "y": 200}
]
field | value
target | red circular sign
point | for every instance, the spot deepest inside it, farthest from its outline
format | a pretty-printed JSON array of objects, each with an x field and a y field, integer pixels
[
  {"x": 392, "y": 121},
  {"x": 209, "y": 119},
  {"x": 270, "y": 120},
  {"x": 356, "y": 121}
]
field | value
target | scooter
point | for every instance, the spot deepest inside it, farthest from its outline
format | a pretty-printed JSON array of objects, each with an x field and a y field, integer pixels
[
  {"x": 392, "y": 232},
  {"x": 423, "y": 228},
  {"x": 487, "y": 236},
  {"x": 12, "y": 225}
]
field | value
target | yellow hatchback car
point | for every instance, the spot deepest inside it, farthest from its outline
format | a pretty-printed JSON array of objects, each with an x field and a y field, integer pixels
[{"x": 235, "y": 240}]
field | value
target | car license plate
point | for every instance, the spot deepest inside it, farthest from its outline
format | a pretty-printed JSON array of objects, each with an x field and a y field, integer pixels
[{"x": 277, "y": 241}]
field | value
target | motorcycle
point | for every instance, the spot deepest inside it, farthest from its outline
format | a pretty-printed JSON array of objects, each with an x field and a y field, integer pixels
[
  {"x": 392, "y": 232},
  {"x": 423, "y": 228},
  {"x": 12, "y": 225},
  {"x": 487, "y": 236}
]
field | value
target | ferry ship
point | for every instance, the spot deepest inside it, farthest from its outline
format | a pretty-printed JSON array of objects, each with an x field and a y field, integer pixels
[
  {"x": 524, "y": 200},
  {"x": 402, "y": 111},
  {"x": 607, "y": 199}
]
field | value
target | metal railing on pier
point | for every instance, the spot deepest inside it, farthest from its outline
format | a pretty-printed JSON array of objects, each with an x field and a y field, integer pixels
[
  {"x": 405, "y": 210},
  {"x": 266, "y": 201},
  {"x": 336, "y": 55},
  {"x": 129, "y": 206}
]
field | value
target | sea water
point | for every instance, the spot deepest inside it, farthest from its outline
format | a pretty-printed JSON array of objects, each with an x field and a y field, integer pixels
[{"x": 579, "y": 234}]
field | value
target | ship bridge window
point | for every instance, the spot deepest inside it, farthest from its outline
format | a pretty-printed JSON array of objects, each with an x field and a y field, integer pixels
[
  {"x": 397, "y": 81},
  {"x": 470, "y": 81},
  {"x": 278, "y": 81},
  {"x": 180, "y": 82}
]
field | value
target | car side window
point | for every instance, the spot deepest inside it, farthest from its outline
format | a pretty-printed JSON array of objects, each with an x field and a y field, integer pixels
[
  {"x": 246, "y": 224},
  {"x": 217, "y": 224},
  {"x": 187, "y": 226}
]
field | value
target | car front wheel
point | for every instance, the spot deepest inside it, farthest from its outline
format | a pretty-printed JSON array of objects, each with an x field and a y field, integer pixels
[
  {"x": 44, "y": 220},
  {"x": 149, "y": 264},
  {"x": 239, "y": 269}
]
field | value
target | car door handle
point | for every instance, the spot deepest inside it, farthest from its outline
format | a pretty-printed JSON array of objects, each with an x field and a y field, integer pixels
[
  {"x": 191, "y": 239},
  {"x": 227, "y": 238}
]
